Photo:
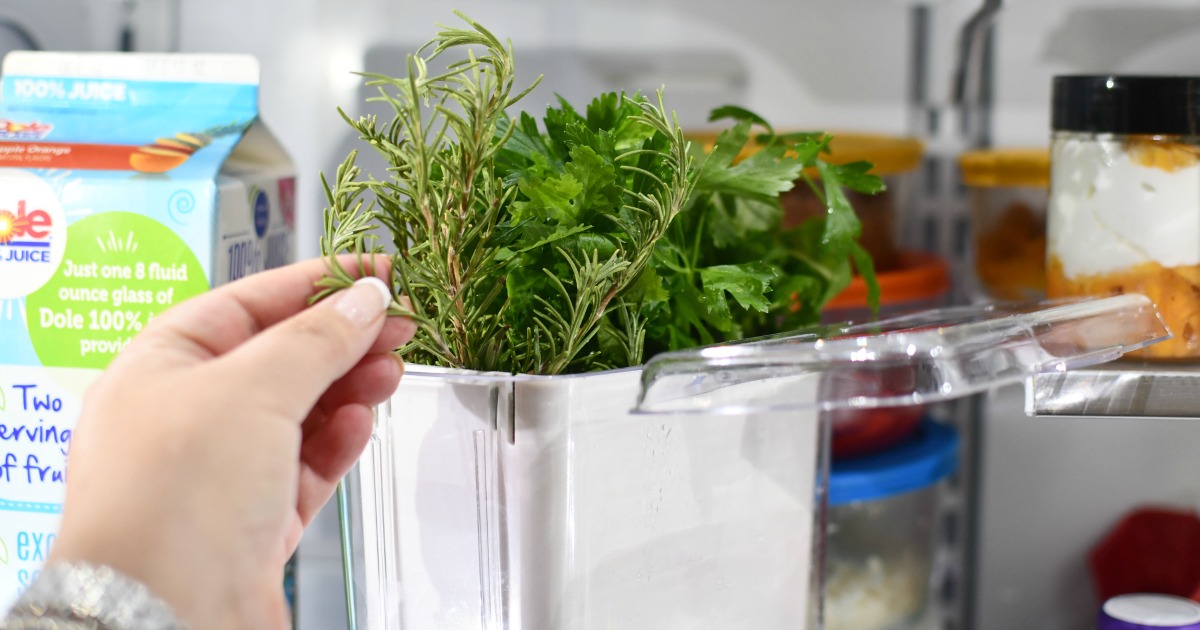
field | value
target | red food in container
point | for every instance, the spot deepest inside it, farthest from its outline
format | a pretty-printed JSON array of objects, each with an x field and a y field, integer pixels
[{"x": 921, "y": 281}]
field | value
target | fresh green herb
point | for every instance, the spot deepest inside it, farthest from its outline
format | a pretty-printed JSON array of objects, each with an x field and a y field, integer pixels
[
  {"x": 512, "y": 260},
  {"x": 588, "y": 239}
]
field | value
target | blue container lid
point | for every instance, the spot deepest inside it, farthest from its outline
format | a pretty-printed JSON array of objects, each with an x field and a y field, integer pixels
[{"x": 925, "y": 458}]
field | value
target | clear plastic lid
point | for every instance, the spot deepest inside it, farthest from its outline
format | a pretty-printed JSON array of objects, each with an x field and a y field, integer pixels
[{"x": 913, "y": 359}]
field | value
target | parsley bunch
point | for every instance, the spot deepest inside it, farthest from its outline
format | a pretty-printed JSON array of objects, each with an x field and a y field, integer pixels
[{"x": 729, "y": 242}]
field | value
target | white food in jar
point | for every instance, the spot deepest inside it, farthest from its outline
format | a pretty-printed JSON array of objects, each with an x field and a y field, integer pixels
[
  {"x": 875, "y": 594},
  {"x": 1109, "y": 214}
]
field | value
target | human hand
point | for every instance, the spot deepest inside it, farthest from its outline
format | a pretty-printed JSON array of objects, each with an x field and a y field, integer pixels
[{"x": 220, "y": 431}]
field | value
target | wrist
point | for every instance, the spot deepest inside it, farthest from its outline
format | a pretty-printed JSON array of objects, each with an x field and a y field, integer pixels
[{"x": 68, "y": 595}]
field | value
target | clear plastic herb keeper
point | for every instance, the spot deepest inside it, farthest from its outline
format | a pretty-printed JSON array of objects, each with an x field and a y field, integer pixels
[
  {"x": 497, "y": 501},
  {"x": 689, "y": 493}
]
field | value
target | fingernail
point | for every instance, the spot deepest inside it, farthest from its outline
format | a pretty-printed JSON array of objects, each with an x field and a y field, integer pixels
[{"x": 364, "y": 302}]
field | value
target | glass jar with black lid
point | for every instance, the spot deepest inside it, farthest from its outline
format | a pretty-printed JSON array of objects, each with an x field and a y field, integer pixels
[{"x": 1124, "y": 208}]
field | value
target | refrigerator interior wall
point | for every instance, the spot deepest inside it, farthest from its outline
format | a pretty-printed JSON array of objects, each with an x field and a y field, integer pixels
[
  {"x": 1037, "y": 40},
  {"x": 1052, "y": 487},
  {"x": 144, "y": 25},
  {"x": 791, "y": 62},
  {"x": 58, "y": 25},
  {"x": 846, "y": 65}
]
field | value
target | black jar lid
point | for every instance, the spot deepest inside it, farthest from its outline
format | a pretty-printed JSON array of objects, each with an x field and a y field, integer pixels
[{"x": 1157, "y": 105}]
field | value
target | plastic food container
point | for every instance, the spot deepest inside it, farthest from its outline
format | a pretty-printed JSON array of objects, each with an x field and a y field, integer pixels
[
  {"x": 1151, "y": 549},
  {"x": 686, "y": 494},
  {"x": 895, "y": 159},
  {"x": 917, "y": 281},
  {"x": 880, "y": 545},
  {"x": 1008, "y": 197},
  {"x": 1124, "y": 213},
  {"x": 1149, "y": 611}
]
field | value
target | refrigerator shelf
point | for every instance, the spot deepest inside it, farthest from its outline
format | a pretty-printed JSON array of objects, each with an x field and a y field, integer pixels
[{"x": 1118, "y": 389}]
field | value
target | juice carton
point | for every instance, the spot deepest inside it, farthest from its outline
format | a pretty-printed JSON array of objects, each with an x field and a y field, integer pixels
[{"x": 128, "y": 183}]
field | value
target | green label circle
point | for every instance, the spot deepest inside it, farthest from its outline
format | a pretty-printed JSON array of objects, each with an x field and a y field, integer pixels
[{"x": 119, "y": 271}]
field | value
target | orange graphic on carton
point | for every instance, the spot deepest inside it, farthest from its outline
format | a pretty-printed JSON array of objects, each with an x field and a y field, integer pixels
[
  {"x": 167, "y": 153},
  {"x": 160, "y": 156}
]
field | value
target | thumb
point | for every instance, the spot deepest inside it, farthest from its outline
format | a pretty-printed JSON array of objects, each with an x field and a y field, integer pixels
[{"x": 296, "y": 360}]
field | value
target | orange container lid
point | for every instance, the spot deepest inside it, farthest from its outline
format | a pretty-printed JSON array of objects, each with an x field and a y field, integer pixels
[
  {"x": 1005, "y": 167},
  {"x": 887, "y": 154},
  {"x": 918, "y": 276}
]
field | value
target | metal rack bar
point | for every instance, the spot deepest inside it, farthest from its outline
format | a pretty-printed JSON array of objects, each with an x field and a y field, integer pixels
[{"x": 1119, "y": 389}]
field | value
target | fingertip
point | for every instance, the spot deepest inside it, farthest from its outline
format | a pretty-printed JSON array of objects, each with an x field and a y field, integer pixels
[
  {"x": 407, "y": 329},
  {"x": 371, "y": 382},
  {"x": 384, "y": 370},
  {"x": 396, "y": 332}
]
